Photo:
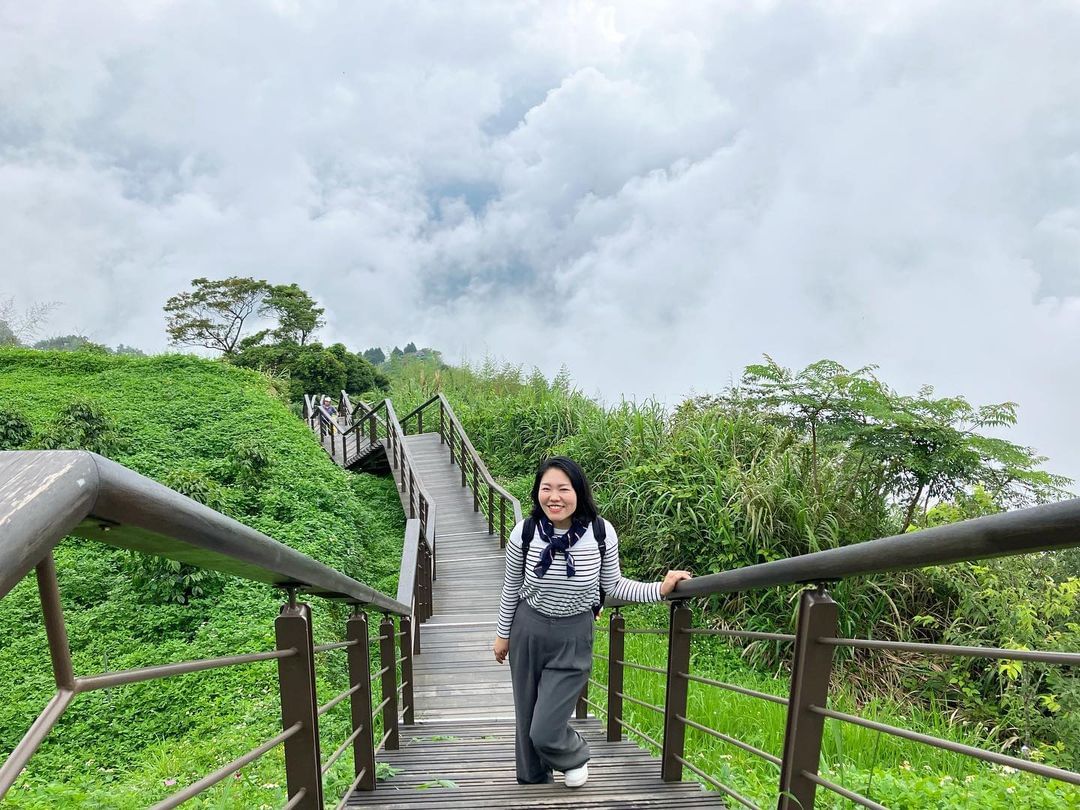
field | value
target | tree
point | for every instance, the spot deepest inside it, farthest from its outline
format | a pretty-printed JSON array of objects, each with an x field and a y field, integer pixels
[
  {"x": 8, "y": 336},
  {"x": 360, "y": 375},
  {"x": 410, "y": 348},
  {"x": 375, "y": 356},
  {"x": 17, "y": 328},
  {"x": 297, "y": 315},
  {"x": 212, "y": 315},
  {"x": 910, "y": 449},
  {"x": 316, "y": 370},
  {"x": 396, "y": 353}
]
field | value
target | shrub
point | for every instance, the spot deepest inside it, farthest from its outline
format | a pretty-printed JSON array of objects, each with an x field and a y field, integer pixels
[
  {"x": 15, "y": 430},
  {"x": 82, "y": 425}
]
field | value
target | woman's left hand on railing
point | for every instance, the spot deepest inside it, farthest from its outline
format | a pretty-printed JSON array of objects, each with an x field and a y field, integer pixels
[{"x": 671, "y": 579}]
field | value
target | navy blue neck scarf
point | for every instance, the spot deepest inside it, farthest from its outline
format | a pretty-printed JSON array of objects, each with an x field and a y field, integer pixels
[{"x": 556, "y": 542}]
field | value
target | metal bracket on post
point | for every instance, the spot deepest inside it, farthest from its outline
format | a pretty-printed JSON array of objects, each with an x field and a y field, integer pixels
[
  {"x": 678, "y": 665},
  {"x": 296, "y": 681},
  {"x": 616, "y": 653},
  {"x": 811, "y": 669},
  {"x": 356, "y": 630}
]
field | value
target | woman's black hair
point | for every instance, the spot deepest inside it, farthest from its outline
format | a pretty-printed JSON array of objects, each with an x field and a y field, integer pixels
[{"x": 586, "y": 507}]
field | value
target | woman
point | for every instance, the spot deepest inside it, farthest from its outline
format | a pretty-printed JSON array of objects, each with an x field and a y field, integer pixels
[{"x": 546, "y": 609}]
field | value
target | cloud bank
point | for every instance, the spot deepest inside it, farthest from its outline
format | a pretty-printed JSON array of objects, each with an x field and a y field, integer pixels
[{"x": 653, "y": 194}]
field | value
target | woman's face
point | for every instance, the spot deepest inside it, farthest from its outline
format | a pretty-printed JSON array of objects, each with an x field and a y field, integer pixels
[{"x": 557, "y": 497}]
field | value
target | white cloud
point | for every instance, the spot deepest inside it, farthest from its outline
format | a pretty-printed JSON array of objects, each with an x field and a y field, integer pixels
[{"x": 651, "y": 193}]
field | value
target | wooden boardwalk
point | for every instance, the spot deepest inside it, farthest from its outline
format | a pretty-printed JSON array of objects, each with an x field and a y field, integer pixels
[{"x": 460, "y": 751}]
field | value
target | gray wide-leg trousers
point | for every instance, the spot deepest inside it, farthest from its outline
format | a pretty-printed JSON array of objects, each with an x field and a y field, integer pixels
[{"x": 550, "y": 662}]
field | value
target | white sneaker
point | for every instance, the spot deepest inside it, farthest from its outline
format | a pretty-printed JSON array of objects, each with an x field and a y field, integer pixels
[{"x": 576, "y": 777}]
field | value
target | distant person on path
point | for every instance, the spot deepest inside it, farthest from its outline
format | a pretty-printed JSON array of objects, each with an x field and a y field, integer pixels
[
  {"x": 550, "y": 593},
  {"x": 328, "y": 406}
]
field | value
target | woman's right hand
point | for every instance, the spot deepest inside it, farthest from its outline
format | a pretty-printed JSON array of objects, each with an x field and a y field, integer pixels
[{"x": 501, "y": 647}]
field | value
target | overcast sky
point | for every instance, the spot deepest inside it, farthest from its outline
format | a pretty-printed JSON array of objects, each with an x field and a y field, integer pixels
[{"x": 653, "y": 194}]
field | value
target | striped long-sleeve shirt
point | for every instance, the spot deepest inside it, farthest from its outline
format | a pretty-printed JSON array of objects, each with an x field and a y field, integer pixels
[{"x": 555, "y": 594}]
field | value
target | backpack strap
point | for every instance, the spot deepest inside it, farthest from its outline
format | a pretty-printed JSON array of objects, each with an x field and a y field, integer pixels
[
  {"x": 599, "y": 530},
  {"x": 528, "y": 529}
]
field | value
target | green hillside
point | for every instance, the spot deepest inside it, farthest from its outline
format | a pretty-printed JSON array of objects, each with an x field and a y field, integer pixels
[{"x": 223, "y": 436}]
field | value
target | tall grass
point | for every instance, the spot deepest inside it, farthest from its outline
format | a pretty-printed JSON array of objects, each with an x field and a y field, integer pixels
[
  {"x": 713, "y": 486},
  {"x": 890, "y": 770}
]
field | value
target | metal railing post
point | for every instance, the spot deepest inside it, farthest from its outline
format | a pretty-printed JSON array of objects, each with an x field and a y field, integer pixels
[
  {"x": 406, "y": 647},
  {"x": 55, "y": 626},
  {"x": 387, "y": 658},
  {"x": 442, "y": 429},
  {"x": 464, "y": 462},
  {"x": 491, "y": 509},
  {"x": 412, "y": 493},
  {"x": 811, "y": 669},
  {"x": 502, "y": 522},
  {"x": 373, "y": 429},
  {"x": 419, "y": 421},
  {"x": 616, "y": 652},
  {"x": 581, "y": 711},
  {"x": 475, "y": 486},
  {"x": 296, "y": 681},
  {"x": 356, "y": 629},
  {"x": 678, "y": 665}
]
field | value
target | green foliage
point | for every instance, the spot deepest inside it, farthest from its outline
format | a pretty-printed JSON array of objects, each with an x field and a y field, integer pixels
[
  {"x": 312, "y": 368},
  {"x": 360, "y": 374},
  {"x": 71, "y": 343},
  {"x": 81, "y": 343},
  {"x": 787, "y": 468},
  {"x": 15, "y": 430},
  {"x": 375, "y": 355},
  {"x": 898, "y": 773},
  {"x": 82, "y": 425},
  {"x": 220, "y": 435}
]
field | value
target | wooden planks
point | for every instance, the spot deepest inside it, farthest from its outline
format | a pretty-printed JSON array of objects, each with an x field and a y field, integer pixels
[
  {"x": 460, "y": 753},
  {"x": 471, "y": 764}
]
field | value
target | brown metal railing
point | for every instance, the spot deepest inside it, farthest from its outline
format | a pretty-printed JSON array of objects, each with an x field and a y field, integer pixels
[
  {"x": 500, "y": 507},
  {"x": 1053, "y": 526},
  {"x": 45, "y": 496},
  {"x": 377, "y": 426}
]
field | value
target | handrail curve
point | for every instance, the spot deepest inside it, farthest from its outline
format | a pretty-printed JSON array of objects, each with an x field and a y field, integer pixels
[{"x": 47, "y": 494}]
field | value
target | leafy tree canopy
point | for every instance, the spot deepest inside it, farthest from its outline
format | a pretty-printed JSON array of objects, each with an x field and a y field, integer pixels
[
  {"x": 213, "y": 313},
  {"x": 916, "y": 448},
  {"x": 374, "y": 355},
  {"x": 297, "y": 315}
]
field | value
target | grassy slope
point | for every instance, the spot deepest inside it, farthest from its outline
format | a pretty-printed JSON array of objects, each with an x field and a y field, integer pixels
[{"x": 181, "y": 416}]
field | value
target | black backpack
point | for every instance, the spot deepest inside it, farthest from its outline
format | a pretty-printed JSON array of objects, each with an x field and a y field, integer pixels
[{"x": 599, "y": 530}]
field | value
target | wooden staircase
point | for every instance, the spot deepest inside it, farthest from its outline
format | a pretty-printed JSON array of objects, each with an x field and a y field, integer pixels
[{"x": 459, "y": 752}]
